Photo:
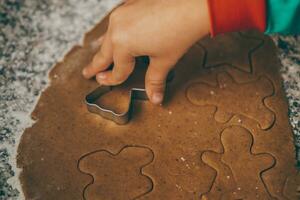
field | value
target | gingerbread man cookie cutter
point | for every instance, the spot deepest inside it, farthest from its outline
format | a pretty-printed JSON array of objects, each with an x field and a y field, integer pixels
[{"x": 119, "y": 118}]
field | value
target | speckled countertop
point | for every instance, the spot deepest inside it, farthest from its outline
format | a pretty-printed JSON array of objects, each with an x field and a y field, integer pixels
[{"x": 34, "y": 35}]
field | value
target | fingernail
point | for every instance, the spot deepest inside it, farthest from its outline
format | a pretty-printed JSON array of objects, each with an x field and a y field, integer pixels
[
  {"x": 84, "y": 72},
  {"x": 101, "y": 76},
  {"x": 157, "y": 98}
]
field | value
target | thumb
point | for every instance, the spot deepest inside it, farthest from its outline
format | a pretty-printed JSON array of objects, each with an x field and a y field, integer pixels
[{"x": 155, "y": 81}]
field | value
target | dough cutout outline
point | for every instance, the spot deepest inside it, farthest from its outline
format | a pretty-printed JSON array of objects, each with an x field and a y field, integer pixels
[
  {"x": 114, "y": 157},
  {"x": 251, "y": 105},
  {"x": 237, "y": 184}
]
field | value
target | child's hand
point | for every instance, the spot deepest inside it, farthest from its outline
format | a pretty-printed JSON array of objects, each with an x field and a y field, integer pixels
[{"x": 160, "y": 29}]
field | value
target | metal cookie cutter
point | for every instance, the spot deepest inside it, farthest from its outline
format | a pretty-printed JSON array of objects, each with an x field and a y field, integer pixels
[{"x": 119, "y": 118}]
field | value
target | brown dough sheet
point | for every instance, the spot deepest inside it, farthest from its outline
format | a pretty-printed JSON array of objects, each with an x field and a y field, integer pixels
[{"x": 222, "y": 133}]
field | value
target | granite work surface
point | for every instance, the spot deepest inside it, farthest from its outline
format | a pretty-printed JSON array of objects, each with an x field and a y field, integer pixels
[{"x": 34, "y": 35}]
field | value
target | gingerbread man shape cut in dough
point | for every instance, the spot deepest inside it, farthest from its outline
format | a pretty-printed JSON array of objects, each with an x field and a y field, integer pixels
[
  {"x": 232, "y": 98},
  {"x": 236, "y": 166},
  {"x": 117, "y": 176}
]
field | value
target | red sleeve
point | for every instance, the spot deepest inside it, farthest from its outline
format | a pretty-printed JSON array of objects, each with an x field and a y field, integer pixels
[{"x": 236, "y": 15}]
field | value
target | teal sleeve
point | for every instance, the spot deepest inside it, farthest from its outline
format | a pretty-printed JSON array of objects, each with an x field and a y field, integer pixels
[{"x": 283, "y": 16}]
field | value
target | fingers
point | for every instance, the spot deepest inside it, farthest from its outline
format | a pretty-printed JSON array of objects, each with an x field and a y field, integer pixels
[
  {"x": 123, "y": 67},
  {"x": 155, "y": 80},
  {"x": 102, "y": 59}
]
